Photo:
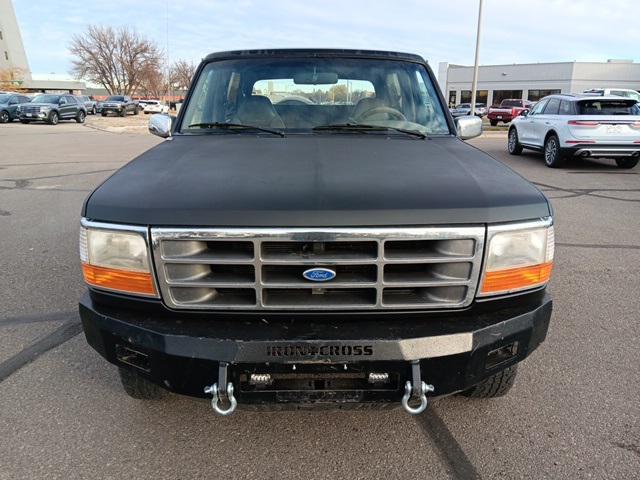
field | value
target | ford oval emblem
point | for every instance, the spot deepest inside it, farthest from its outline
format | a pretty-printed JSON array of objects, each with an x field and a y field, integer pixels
[{"x": 319, "y": 274}]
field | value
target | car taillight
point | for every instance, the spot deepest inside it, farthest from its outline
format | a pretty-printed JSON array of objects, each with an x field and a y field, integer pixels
[{"x": 584, "y": 123}]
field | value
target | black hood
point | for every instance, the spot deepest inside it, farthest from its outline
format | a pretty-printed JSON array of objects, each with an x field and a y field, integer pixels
[{"x": 314, "y": 180}]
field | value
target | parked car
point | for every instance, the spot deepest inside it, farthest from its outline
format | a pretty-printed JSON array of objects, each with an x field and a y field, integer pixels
[
  {"x": 465, "y": 109},
  {"x": 155, "y": 106},
  {"x": 52, "y": 108},
  {"x": 620, "y": 92},
  {"x": 9, "y": 103},
  {"x": 89, "y": 103},
  {"x": 582, "y": 126},
  {"x": 509, "y": 109},
  {"x": 344, "y": 253},
  {"x": 120, "y": 105}
]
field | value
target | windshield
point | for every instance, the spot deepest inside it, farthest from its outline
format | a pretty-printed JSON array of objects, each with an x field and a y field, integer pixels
[
  {"x": 4, "y": 98},
  {"x": 46, "y": 99},
  {"x": 464, "y": 105},
  {"x": 295, "y": 95},
  {"x": 608, "y": 107},
  {"x": 115, "y": 98}
]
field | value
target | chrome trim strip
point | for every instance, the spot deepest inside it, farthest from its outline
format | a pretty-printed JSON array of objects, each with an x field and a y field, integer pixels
[
  {"x": 144, "y": 233},
  {"x": 378, "y": 235},
  {"x": 508, "y": 227}
]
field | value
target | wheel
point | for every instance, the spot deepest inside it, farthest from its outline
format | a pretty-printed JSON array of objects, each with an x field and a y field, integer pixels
[
  {"x": 94, "y": 110},
  {"x": 4, "y": 117},
  {"x": 136, "y": 111},
  {"x": 25, "y": 121},
  {"x": 80, "y": 117},
  {"x": 626, "y": 162},
  {"x": 552, "y": 155},
  {"x": 104, "y": 114},
  {"x": 495, "y": 386},
  {"x": 512, "y": 143},
  {"x": 493, "y": 123},
  {"x": 53, "y": 118},
  {"x": 139, "y": 387},
  {"x": 123, "y": 112}
]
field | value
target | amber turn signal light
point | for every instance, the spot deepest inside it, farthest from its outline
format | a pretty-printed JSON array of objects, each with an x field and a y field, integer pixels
[
  {"x": 516, "y": 278},
  {"x": 121, "y": 280}
]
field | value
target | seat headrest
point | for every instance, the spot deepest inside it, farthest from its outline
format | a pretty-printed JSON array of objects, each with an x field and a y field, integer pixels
[{"x": 259, "y": 111}]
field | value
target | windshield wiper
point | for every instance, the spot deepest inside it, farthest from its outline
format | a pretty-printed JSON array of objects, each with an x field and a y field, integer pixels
[
  {"x": 361, "y": 127},
  {"x": 232, "y": 126}
]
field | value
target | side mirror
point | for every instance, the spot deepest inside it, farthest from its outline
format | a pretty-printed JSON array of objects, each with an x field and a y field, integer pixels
[
  {"x": 160, "y": 125},
  {"x": 469, "y": 127},
  {"x": 524, "y": 112}
]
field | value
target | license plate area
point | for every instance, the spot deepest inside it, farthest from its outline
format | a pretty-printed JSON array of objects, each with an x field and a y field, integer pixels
[{"x": 313, "y": 384}]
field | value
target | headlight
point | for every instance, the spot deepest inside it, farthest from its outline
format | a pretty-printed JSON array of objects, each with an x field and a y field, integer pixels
[
  {"x": 45, "y": 109},
  {"x": 519, "y": 257},
  {"x": 116, "y": 259}
]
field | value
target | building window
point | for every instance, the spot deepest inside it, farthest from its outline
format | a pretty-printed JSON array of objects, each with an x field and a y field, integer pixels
[
  {"x": 481, "y": 96},
  {"x": 6, "y": 55},
  {"x": 535, "y": 95},
  {"x": 452, "y": 98},
  {"x": 1, "y": 37},
  {"x": 499, "y": 95}
]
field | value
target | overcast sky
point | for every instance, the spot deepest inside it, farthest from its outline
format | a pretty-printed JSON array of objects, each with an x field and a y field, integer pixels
[{"x": 514, "y": 31}]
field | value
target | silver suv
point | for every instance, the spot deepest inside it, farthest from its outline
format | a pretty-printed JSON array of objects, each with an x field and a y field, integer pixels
[{"x": 582, "y": 126}]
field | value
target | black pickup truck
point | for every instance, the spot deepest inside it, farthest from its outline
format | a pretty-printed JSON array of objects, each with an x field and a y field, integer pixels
[
  {"x": 314, "y": 232},
  {"x": 119, "y": 105}
]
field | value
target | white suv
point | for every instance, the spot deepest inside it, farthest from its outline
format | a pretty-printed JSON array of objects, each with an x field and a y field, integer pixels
[{"x": 579, "y": 125}]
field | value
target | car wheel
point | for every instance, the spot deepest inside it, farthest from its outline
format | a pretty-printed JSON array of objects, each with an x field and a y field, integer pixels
[
  {"x": 512, "y": 142},
  {"x": 80, "y": 117},
  {"x": 53, "y": 118},
  {"x": 136, "y": 111},
  {"x": 495, "y": 386},
  {"x": 493, "y": 122},
  {"x": 4, "y": 117},
  {"x": 123, "y": 113},
  {"x": 139, "y": 387},
  {"x": 94, "y": 110},
  {"x": 104, "y": 114},
  {"x": 552, "y": 156},
  {"x": 626, "y": 162}
]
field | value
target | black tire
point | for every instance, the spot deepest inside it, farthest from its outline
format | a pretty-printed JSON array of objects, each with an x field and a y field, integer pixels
[
  {"x": 139, "y": 387},
  {"x": 626, "y": 162},
  {"x": 495, "y": 386},
  {"x": 136, "y": 111},
  {"x": 25, "y": 121},
  {"x": 80, "y": 117},
  {"x": 104, "y": 114},
  {"x": 123, "y": 112},
  {"x": 493, "y": 123},
  {"x": 553, "y": 157},
  {"x": 54, "y": 118},
  {"x": 94, "y": 110},
  {"x": 513, "y": 144},
  {"x": 5, "y": 117}
]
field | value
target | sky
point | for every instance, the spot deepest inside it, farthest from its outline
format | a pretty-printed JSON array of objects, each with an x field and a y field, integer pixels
[{"x": 513, "y": 31}]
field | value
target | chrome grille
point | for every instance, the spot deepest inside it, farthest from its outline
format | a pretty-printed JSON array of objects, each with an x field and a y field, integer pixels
[
  {"x": 261, "y": 269},
  {"x": 29, "y": 109}
]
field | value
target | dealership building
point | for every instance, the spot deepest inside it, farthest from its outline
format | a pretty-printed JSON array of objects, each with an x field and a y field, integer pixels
[{"x": 532, "y": 81}]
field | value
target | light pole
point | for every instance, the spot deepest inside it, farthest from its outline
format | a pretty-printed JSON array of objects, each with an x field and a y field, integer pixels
[{"x": 474, "y": 85}]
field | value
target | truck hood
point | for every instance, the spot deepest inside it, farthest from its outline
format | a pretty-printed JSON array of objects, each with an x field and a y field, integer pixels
[{"x": 314, "y": 181}]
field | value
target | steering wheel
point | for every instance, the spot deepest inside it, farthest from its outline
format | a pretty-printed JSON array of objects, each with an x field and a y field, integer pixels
[{"x": 391, "y": 112}]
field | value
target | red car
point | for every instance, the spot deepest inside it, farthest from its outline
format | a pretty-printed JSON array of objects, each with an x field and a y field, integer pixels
[{"x": 509, "y": 109}]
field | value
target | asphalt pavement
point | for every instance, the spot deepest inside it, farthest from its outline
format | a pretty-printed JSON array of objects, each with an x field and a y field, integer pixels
[{"x": 573, "y": 413}]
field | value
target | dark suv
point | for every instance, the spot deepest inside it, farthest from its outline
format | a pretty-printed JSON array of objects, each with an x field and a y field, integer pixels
[
  {"x": 9, "y": 103},
  {"x": 52, "y": 108},
  {"x": 315, "y": 232},
  {"x": 120, "y": 105}
]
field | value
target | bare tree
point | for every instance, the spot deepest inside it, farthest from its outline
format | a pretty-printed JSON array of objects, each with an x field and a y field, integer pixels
[
  {"x": 114, "y": 58},
  {"x": 181, "y": 73},
  {"x": 153, "y": 82}
]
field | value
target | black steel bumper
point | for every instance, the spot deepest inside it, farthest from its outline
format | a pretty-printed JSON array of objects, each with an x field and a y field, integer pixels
[{"x": 333, "y": 353}]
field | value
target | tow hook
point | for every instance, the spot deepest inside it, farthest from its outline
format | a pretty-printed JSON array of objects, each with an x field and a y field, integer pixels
[
  {"x": 416, "y": 388},
  {"x": 222, "y": 393}
]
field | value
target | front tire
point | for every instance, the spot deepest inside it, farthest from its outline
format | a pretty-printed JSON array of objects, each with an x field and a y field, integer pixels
[
  {"x": 139, "y": 387},
  {"x": 552, "y": 155},
  {"x": 493, "y": 123},
  {"x": 5, "y": 117},
  {"x": 123, "y": 113},
  {"x": 94, "y": 110},
  {"x": 497, "y": 385},
  {"x": 53, "y": 118},
  {"x": 626, "y": 163},
  {"x": 513, "y": 144},
  {"x": 80, "y": 117}
]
